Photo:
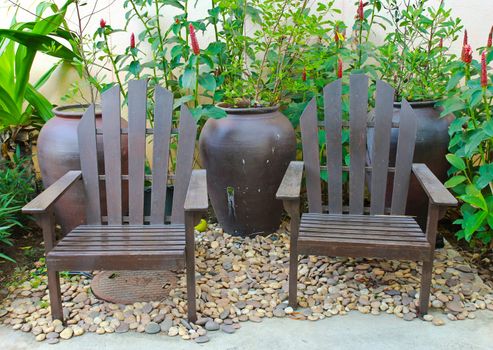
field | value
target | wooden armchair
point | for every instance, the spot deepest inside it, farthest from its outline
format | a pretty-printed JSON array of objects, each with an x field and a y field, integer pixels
[
  {"x": 128, "y": 241},
  {"x": 338, "y": 230}
]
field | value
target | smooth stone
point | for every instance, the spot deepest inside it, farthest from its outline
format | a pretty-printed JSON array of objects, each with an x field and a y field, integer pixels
[
  {"x": 173, "y": 331},
  {"x": 211, "y": 326},
  {"x": 186, "y": 324},
  {"x": 428, "y": 317},
  {"x": 52, "y": 335},
  {"x": 455, "y": 306},
  {"x": 201, "y": 321},
  {"x": 166, "y": 325},
  {"x": 202, "y": 339},
  {"x": 67, "y": 333},
  {"x": 40, "y": 337},
  {"x": 279, "y": 313},
  {"x": 228, "y": 329},
  {"x": 152, "y": 328},
  {"x": 122, "y": 328},
  {"x": 53, "y": 341},
  {"x": 3, "y": 312}
]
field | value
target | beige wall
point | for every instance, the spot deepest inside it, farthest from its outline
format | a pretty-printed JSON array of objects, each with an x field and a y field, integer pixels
[{"x": 475, "y": 15}]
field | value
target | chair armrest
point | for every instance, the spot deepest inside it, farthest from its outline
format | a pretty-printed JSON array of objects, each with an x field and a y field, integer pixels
[
  {"x": 49, "y": 196},
  {"x": 196, "y": 199},
  {"x": 291, "y": 183},
  {"x": 436, "y": 191}
]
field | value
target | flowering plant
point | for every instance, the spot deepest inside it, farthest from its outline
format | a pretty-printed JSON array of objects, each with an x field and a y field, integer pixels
[{"x": 471, "y": 142}]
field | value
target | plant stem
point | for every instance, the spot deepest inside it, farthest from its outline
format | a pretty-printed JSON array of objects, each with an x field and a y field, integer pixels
[
  {"x": 359, "y": 43},
  {"x": 161, "y": 43},
  {"x": 113, "y": 63},
  {"x": 196, "y": 92}
]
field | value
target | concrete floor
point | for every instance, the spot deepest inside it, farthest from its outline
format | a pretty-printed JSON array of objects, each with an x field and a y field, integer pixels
[{"x": 354, "y": 331}]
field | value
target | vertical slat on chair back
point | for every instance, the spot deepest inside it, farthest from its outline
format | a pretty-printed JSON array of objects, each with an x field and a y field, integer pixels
[
  {"x": 137, "y": 110},
  {"x": 333, "y": 131},
  {"x": 309, "y": 137},
  {"x": 110, "y": 105},
  {"x": 358, "y": 117},
  {"x": 381, "y": 146},
  {"x": 187, "y": 134},
  {"x": 163, "y": 115},
  {"x": 404, "y": 158},
  {"x": 89, "y": 165}
]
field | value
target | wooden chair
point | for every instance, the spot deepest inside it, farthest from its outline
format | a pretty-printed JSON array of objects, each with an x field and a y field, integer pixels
[
  {"x": 338, "y": 230},
  {"x": 121, "y": 241}
]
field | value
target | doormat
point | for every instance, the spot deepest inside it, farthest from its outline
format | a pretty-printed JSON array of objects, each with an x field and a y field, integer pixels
[{"x": 128, "y": 287}]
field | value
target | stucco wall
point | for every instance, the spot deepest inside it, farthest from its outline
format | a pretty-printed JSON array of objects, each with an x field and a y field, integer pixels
[{"x": 475, "y": 15}]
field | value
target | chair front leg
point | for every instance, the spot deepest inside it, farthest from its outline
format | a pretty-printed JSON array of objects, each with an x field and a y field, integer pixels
[
  {"x": 190, "y": 222},
  {"x": 427, "y": 269},
  {"x": 293, "y": 209}
]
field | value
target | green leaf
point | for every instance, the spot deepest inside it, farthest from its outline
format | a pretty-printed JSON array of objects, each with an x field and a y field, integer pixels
[
  {"x": 6, "y": 257},
  {"x": 188, "y": 79},
  {"x": 174, "y": 3},
  {"x": 452, "y": 105},
  {"x": 485, "y": 175},
  {"x": 39, "y": 102},
  {"x": 456, "y": 161},
  {"x": 211, "y": 111},
  {"x": 472, "y": 223},
  {"x": 454, "y": 181},
  {"x": 135, "y": 68},
  {"x": 208, "y": 82}
]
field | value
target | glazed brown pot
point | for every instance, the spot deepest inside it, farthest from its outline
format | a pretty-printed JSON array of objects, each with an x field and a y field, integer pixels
[
  {"x": 246, "y": 155},
  {"x": 432, "y": 141},
  {"x": 58, "y": 152}
]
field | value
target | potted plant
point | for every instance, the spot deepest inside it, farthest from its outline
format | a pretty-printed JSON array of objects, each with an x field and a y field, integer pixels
[
  {"x": 247, "y": 152},
  {"x": 415, "y": 59}
]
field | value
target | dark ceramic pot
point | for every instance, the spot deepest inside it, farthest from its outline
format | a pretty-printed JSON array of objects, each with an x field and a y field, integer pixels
[
  {"x": 246, "y": 155},
  {"x": 58, "y": 152},
  {"x": 432, "y": 141}
]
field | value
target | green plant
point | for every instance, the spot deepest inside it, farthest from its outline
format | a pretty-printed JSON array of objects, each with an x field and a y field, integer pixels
[
  {"x": 471, "y": 144},
  {"x": 415, "y": 54},
  {"x": 8, "y": 221},
  {"x": 22, "y": 107}
]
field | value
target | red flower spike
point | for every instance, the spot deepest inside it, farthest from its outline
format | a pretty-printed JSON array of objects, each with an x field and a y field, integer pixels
[
  {"x": 132, "y": 41},
  {"x": 466, "y": 55},
  {"x": 177, "y": 21},
  {"x": 339, "y": 68},
  {"x": 102, "y": 23},
  {"x": 490, "y": 38},
  {"x": 303, "y": 74},
  {"x": 440, "y": 45},
  {"x": 484, "y": 74},
  {"x": 360, "y": 15},
  {"x": 193, "y": 40},
  {"x": 465, "y": 40}
]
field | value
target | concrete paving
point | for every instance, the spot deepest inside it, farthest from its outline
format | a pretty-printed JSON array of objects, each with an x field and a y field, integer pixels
[{"x": 353, "y": 331}]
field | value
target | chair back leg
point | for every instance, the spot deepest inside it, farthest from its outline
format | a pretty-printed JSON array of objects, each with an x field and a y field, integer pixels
[
  {"x": 55, "y": 295},
  {"x": 190, "y": 265},
  {"x": 424, "y": 293}
]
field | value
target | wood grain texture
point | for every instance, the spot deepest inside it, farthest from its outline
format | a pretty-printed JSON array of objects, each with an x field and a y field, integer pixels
[
  {"x": 333, "y": 130},
  {"x": 381, "y": 146},
  {"x": 436, "y": 191},
  {"x": 197, "y": 199},
  {"x": 291, "y": 183},
  {"x": 110, "y": 106},
  {"x": 186, "y": 148},
  {"x": 89, "y": 165},
  {"x": 48, "y": 197},
  {"x": 163, "y": 115},
  {"x": 309, "y": 140},
  {"x": 358, "y": 115},
  {"x": 137, "y": 111},
  {"x": 404, "y": 159}
]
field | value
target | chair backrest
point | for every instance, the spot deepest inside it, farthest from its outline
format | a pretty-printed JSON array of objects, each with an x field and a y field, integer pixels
[
  {"x": 112, "y": 178},
  {"x": 358, "y": 168}
]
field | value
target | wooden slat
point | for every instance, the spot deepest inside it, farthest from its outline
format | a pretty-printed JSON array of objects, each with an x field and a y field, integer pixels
[
  {"x": 137, "y": 110},
  {"x": 369, "y": 124},
  {"x": 333, "y": 130},
  {"x": 404, "y": 158},
  {"x": 186, "y": 148},
  {"x": 89, "y": 165},
  {"x": 110, "y": 106},
  {"x": 163, "y": 115},
  {"x": 381, "y": 146},
  {"x": 147, "y": 219},
  {"x": 358, "y": 105},
  {"x": 360, "y": 218},
  {"x": 124, "y": 131},
  {"x": 146, "y": 177},
  {"x": 368, "y": 169},
  {"x": 196, "y": 199},
  {"x": 437, "y": 193},
  {"x": 291, "y": 182},
  {"x": 311, "y": 160},
  {"x": 48, "y": 197}
]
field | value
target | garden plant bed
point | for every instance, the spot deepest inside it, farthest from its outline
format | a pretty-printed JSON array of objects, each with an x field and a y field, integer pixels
[{"x": 242, "y": 280}]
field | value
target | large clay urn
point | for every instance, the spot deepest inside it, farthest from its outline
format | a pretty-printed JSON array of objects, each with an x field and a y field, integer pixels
[
  {"x": 58, "y": 152},
  {"x": 432, "y": 141},
  {"x": 246, "y": 155}
]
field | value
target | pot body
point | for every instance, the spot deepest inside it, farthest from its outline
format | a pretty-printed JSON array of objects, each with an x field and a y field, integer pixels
[
  {"x": 246, "y": 155},
  {"x": 432, "y": 141},
  {"x": 58, "y": 152}
]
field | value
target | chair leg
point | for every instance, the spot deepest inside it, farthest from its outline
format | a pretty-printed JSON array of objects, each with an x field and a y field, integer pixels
[
  {"x": 190, "y": 268},
  {"x": 424, "y": 293},
  {"x": 55, "y": 295},
  {"x": 293, "y": 278}
]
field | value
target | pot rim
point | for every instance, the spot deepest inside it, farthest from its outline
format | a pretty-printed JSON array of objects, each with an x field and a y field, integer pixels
[
  {"x": 417, "y": 104},
  {"x": 248, "y": 110},
  {"x": 65, "y": 110}
]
